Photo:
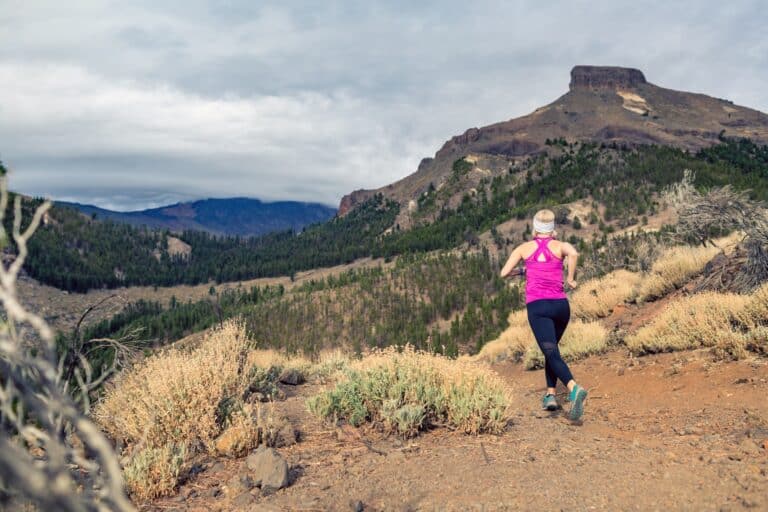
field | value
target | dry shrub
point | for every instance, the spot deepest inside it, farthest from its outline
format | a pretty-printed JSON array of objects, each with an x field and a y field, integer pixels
[
  {"x": 581, "y": 339},
  {"x": 673, "y": 269},
  {"x": 326, "y": 364},
  {"x": 405, "y": 392},
  {"x": 247, "y": 428},
  {"x": 756, "y": 310},
  {"x": 154, "y": 472},
  {"x": 757, "y": 340},
  {"x": 597, "y": 298},
  {"x": 511, "y": 343},
  {"x": 707, "y": 319},
  {"x": 518, "y": 343},
  {"x": 196, "y": 399},
  {"x": 266, "y": 358},
  {"x": 173, "y": 397}
]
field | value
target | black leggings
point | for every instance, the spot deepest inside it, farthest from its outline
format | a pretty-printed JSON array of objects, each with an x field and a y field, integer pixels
[{"x": 548, "y": 319}]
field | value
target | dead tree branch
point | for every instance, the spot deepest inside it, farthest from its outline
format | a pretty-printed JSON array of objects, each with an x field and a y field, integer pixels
[{"x": 51, "y": 453}]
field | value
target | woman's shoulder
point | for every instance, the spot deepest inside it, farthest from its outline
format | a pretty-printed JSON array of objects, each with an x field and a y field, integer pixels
[
  {"x": 525, "y": 245},
  {"x": 525, "y": 249}
]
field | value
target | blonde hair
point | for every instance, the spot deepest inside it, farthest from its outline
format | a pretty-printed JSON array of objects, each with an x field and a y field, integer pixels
[{"x": 544, "y": 216}]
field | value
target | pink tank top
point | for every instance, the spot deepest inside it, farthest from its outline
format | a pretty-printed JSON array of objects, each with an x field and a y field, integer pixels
[{"x": 543, "y": 279}]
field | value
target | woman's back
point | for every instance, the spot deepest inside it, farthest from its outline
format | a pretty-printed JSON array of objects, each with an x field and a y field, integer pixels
[{"x": 543, "y": 269}]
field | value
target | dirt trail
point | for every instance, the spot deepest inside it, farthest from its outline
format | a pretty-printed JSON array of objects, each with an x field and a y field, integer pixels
[{"x": 664, "y": 432}]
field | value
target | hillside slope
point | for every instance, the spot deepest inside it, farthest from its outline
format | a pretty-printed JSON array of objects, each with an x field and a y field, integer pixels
[
  {"x": 234, "y": 216},
  {"x": 680, "y": 445},
  {"x": 604, "y": 105}
]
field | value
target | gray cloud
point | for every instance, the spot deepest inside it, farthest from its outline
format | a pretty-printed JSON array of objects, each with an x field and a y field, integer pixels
[{"x": 129, "y": 106}]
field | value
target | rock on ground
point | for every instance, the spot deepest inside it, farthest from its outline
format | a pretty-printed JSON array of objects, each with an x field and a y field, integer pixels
[{"x": 269, "y": 469}]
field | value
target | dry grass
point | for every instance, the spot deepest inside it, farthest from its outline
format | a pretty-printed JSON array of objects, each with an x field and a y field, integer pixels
[
  {"x": 756, "y": 310},
  {"x": 186, "y": 401},
  {"x": 154, "y": 472},
  {"x": 517, "y": 343},
  {"x": 707, "y": 319},
  {"x": 673, "y": 269},
  {"x": 248, "y": 427},
  {"x": 410, "y": 391},
  {"x": 173, "y": 396},
  {"x": 511, "y": 343},
  {"x": 581, "y": 339},
  {"x": 325, "y": 366},
  {"x": 597, "y": 298}
]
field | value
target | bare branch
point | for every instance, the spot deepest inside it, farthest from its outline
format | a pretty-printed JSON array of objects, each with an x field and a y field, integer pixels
[{"x": 51, "y": 453}]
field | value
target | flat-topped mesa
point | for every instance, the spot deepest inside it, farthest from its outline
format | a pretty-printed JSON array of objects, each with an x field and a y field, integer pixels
[{"x": 605, "y": 77}]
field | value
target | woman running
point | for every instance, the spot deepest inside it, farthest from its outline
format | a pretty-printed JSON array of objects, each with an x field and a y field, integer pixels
[{"x": 547, "y": 304}]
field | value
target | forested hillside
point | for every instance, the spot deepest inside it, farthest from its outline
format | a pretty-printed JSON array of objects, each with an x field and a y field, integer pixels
[
  {"x": 441, "y": 302},
  {"x": 77, "y": 253}
]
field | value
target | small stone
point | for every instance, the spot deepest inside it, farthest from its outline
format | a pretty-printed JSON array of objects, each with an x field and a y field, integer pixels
[
  {"x": 214, "y": 492},
  {"x": 620, "y": 372},
  {"x": 749, "y": 447},
  {"x": 217, "y": 468},
  {"x": 239, "y": 484},
  {"x": 243, "y": 500},
  {"x": 356, "y": 506}
]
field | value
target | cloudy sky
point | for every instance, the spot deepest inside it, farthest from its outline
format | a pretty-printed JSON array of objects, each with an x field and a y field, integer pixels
[{"x": 131, "y": 106}]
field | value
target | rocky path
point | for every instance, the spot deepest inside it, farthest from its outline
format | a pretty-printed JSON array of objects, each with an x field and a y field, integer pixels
[{"x": 666, "y": 432}]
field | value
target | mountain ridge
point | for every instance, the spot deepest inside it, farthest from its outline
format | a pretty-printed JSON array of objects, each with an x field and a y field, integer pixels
[
  {"x": 604, "y": 104},
  {"x": 240, "y": 216}
]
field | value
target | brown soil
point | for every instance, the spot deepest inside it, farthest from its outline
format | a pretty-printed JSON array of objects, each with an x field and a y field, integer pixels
[{"x": 664, "y": 432}]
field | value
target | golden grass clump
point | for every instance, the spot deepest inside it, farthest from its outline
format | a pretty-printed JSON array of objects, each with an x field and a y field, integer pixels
[
  {"x": 707, "y": 319},
  {"x": 154, "y": 471},
  {"x": 756, "y": 310},
  {"x": 518, "y": 343},
  {"x": 597, "y": 298},
  {"x": 673, "y": 269},
  {"x": 511, "y": 343},
  {"x": 323, "y": 367},
  {"x": 247, "y": 428},
  {"x": 173, "y": 397},
  {"x": 185, "y": 401},
  {"x": 581, "y": 339},
  {"x": 408, "y": 391}
]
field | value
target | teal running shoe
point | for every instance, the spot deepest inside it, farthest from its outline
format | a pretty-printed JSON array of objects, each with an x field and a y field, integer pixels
[
  {"x": 577, "y": 397},
  {"x": 549, "y": 402}
]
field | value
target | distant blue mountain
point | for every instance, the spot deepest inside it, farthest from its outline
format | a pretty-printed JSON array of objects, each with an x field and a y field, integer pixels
[{"x": 235, "y": 216}]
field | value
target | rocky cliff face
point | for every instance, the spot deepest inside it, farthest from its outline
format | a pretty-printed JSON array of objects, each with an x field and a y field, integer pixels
[
  {"x": 604, "y": 104},
  {"x": 605, "y": 77}
]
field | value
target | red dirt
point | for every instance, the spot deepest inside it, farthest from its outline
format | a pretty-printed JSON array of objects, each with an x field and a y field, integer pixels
[{"x": 663, "y": 432}]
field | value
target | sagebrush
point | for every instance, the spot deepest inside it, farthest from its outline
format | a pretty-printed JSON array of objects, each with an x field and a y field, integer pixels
[
  {"x": 406, "y": 392},
  {"x": 198, "y": 399}
]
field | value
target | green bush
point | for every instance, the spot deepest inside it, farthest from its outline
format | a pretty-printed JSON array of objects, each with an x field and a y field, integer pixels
[{"x": 410, "y": 391}]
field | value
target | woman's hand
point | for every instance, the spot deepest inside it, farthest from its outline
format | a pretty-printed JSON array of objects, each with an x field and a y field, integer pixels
[{"x": 572, "y": 283}]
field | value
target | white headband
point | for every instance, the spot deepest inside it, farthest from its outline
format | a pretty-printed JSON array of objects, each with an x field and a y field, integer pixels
[{"x": 543, "y": 227}]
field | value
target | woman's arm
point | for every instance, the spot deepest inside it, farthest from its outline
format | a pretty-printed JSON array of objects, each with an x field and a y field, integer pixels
[
  {"x": 572, "y": 257},
  {"x": 512, "y": 262}
]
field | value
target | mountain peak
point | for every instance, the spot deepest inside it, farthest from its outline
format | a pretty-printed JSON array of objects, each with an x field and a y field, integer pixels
[{"x": 605, "y": 77}]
